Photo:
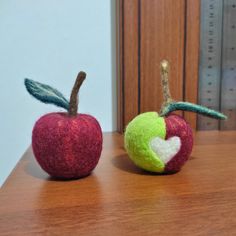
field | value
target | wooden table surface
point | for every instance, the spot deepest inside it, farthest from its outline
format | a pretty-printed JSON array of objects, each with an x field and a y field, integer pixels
[{"x": 120, "y": 199}]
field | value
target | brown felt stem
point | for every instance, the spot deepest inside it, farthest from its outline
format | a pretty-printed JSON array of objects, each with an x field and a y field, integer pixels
[
  {"x": 165, "y": 67},
  {"x": 73, "y": 106}
]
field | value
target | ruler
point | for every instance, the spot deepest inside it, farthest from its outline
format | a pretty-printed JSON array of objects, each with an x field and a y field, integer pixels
[
  {"x": 217, "y": 69},
  {"x": 228, "y": 83},
  {"x": 210, "y": 60}
]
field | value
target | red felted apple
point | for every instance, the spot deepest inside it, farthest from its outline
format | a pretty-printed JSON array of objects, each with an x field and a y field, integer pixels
[
  {"x": 163, "y": 142},
  {"x": 66, "y": 144}
]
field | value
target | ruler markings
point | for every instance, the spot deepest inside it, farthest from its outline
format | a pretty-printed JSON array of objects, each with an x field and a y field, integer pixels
[
  {"x": 210, "y": 60},
  {"x": 228, "y": 83}
]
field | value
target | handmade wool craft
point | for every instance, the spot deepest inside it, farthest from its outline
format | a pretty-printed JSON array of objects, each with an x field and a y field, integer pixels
[
  {"x": 163, "y": 142},
  {"x": 65, "y": 144}
]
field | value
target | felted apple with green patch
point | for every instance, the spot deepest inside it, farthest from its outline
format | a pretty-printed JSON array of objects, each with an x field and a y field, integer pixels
[
  {"x": 66, "y": 144},
  {"x": 163, "y": 142}
]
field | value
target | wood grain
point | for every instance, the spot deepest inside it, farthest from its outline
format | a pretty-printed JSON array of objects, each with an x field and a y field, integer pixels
[
  {"x": 162, "y": 37},
  {"x": 192, "y": 57},
  {"x": 128, "y": 62},
  {"x": 131, "y": 60},
  {"x": 120, "y": 199},
  {"x": 150, "y": 31},
  {"x": 119, "y": 66}
]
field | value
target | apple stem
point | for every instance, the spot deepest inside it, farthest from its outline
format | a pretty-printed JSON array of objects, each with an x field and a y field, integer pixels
[
  {"x": 73, "y": 105},
  {"x": 165, "y": 68}
]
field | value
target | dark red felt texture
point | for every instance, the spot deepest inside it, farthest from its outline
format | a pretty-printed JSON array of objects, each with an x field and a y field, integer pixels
[
  {"x": 67, "y": 147},
  {"x": 177, "y": 126}
]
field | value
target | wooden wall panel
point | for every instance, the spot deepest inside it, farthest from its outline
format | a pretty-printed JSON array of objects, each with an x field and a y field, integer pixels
[
  {"x": 162, "y": 37},
  {"x": 119, "y": 67},
  {"x": 148, "y": 32},
  {"x": 192, "y": 57},
  {"x": 128, "y": 57}
]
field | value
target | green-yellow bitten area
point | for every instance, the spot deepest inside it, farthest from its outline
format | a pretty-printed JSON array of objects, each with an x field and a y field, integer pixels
[{"x": 138, "y": 134}]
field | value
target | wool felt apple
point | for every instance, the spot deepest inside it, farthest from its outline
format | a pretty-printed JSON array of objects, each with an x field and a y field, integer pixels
[
  {"x": 68, "y": 144},
  {"x": 163, "y": 142}
]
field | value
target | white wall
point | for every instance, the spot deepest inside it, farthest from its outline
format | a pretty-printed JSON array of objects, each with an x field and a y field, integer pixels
[{"x": 50, "y": 41}]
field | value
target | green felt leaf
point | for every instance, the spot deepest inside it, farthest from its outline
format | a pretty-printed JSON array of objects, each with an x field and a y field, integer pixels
[
  {"x": 46, "y": 93},
  {"x": 187, "y": 106}
]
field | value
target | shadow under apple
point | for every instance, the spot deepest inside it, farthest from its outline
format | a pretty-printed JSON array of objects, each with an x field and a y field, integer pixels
[
  {"x": 124, "y": 163},
  {"x": 33, "y": 169}
]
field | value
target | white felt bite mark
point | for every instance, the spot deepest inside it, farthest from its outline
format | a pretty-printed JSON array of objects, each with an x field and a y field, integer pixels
[{"x": 166, "y": 149}]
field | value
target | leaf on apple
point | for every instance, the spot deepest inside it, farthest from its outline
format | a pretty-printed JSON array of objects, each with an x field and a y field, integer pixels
[
  {"x": 187, "y": 106},
  {"x": 46, "y": 93}
]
